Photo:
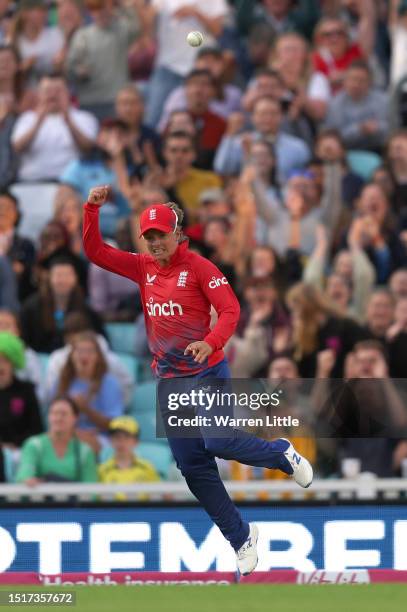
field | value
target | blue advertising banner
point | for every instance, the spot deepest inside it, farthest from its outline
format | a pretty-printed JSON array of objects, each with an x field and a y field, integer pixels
[{"x": 171, "y": 539}]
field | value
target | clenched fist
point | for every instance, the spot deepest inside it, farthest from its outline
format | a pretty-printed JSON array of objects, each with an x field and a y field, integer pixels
[{"x": 99, "y": 195}]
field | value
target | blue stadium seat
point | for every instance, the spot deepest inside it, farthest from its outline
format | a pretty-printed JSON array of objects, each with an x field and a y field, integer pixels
[
  {"x": 121, "y": 337},
  {"x": 36, "y": 202},
  {"x": 158, "y": 454},
  {"x": 363, "y": 163}
]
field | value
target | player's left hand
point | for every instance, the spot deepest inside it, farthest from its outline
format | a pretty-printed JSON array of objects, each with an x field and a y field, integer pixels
[{"x": 200, "y": 350}]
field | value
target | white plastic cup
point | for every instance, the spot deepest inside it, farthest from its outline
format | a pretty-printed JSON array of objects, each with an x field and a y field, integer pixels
[{"x": 351, "y": 467}]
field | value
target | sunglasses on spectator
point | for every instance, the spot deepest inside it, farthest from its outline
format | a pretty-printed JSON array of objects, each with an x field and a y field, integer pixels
[{"x": 332, "y": 33}]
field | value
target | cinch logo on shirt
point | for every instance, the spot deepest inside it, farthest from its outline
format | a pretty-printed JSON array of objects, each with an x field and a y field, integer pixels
[
  {"x": 167, "y": 309},
  {"x": 153, "y": 214},
  {"x": 217, "y": 282}
]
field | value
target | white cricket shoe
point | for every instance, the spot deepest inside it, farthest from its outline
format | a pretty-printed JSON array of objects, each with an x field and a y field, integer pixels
[
  {"x": 247, "y": 554},
  {"x": 303, "y": 472}
]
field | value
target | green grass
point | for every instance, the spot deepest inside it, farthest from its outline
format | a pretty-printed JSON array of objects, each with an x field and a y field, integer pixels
[{"x": 235, "y": 598}]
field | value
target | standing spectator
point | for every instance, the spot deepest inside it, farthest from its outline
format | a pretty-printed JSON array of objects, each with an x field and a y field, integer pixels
[
  {"x": 52, "y": 135},
  {"x": 70, "y": 18},
  {"x": 19, "y": 409},
  {"x": 97, "y": 393},
  {"x": 183, "y": 182},
  {"x": 37, "y": 43},
  {"x": 291, "y": 153},
  {"x": 97, "y": 57},
  {"x": 43, "y": 313},
  {"x": 359, "y": 113},
  {"x": 125, "y": 466},
  {"x": 8, "y": 285},
  {"x": 19, "y": 250},
  {"x": 280, "y": 15},
  {"x": 57, "y": 455},
  {"x": 174, "y": 20}
]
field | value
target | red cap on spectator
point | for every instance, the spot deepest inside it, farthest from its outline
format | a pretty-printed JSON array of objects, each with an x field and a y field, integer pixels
[{"x": 159, "y": 217}]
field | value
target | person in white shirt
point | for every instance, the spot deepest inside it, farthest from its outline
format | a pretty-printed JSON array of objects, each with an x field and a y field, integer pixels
[
  {"x": 174, "y": 19},
  {"x": 48, "y": 138}
]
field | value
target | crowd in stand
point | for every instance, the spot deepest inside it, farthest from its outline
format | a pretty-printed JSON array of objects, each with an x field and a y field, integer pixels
[{"x": 282, "y": 138}]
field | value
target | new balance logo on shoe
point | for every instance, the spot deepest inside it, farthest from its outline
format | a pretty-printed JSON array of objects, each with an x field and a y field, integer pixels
[{"x": 296, "y": 458}]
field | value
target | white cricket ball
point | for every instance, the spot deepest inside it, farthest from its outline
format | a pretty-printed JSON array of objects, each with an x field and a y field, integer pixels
[{"x": 195, "y": 39}]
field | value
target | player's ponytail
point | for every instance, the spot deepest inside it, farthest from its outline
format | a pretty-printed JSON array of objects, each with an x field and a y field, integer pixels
[{"x": 179, "y": 213}]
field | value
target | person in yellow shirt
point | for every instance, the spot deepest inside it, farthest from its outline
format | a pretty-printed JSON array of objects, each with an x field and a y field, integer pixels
[
  {"x": 125, "y": 467},
  {"x": 182, "y": 181}
]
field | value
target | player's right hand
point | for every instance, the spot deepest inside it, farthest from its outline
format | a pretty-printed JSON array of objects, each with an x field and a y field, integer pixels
[{"x": 98, "y": 195}]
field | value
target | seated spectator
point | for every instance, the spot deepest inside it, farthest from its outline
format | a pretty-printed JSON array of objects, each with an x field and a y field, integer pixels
[
  {"x": 200, "y": 89},
  {"x": 75, "y": 324},
  {"x": 378, "y": 402},
  {"x": 334, "y": 51},
  {"x": 379, "y": 235},
  {"x": 37, "y": 43},
  {"x": 175, "y": 59},
  {"x": 125, "y": 467},
  {"x": 19, "y": 250},
  {"x": 321, "y": 336},
  {"x": 379, "y": 314},
  {"x": 330, "y": 149},
  {"x": 398, "y": 283},
  {"x": 306, "y": 95},
  {"x": 31, "y": 371},
  {"x": 142, "y": 143},
  {"x": 48, "y": 138},
  {"x": 8, "y": 285},
  {"x": 43, "y": 313},
  {"x": 227, "y": 96},
  {"x": 85, "y": 378},
  {"x": 97, "y": 65},
  {"x": 19, "y": 409},
  {"x": 181, "y": 121},
  {"x": 263, "y": 330},
  {"x": 54, "y": 242},
  {"x": 180, "y": 179},
  {"x": 9, "y": 94},
  {"x": 358, "y": 112},
  {"x": 104, "y": 164},
  {"x": 57, "y": 455},
  {"x": 291, "y": 153},
  {"x": 68, "y": 211}
]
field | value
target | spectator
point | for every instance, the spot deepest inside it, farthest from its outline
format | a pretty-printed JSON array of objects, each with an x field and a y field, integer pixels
[
  {"x": 183, "y": 182},
  {"x": 398, "y": 283},
  {"x": 19, "y": 409},
  {"x": 143, "y": 143},
  {"x": 379, "y": 314},
  {"x": 9, "y": 94},
  {"x": 321, "y": 336},
  {"x": 43, "y": 313},
  {"x": 75, "y": 324},
  {"x": 70, "y": 19},
  {"x": 86, "y": 379},
  {"x": 397, "y": 159},
  {"x": 31, "y": 372},
  {"x": 37, "y": 43},
  {"x": 68, "y": 211},
  {"x": 97, "y": 57},
  {"x": 105, "y": 164},
  {"x": 227, "y": 96},
  {"x": 19, "y": 250},
  {"x": 57, "y": 455},
  {"x": 334, "y": 51},
  {"x": 49, "y": 137},
  {"x": 378, "y": 234},
  {"x": 7, "y": 12},
  {"x": 199, "y": 91},
  {"x": 396, "y": 337},
  {"x": 125, "y": 467},
  {"x": 281, "y": 15},
  {"x": 181, "y": 121},
  {"x": 291, "y": 153},
  {"x": 174, "y": 19},
  {"x": 8, "y": 285},
  {"x": 359, "y": 113},
  {"x": 330, "y": 149}
]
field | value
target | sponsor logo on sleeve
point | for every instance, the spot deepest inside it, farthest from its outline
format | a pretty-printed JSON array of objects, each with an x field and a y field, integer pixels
[{"x": 217, "y": 282}]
